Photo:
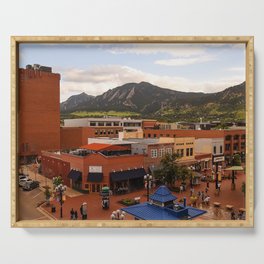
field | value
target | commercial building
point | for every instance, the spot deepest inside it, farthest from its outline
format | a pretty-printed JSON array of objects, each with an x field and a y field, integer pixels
[
  {"x": 94, "y": 166},
  {"x": 127, "y": 124},
  {"x": 38, "y": 111}
]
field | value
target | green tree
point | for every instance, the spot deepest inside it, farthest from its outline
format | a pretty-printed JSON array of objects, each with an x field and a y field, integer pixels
[
  {"x": 57, "y": 181},
  {"x": 47, "y": 194},
  {"x": 184, "y": 173},
  {"x": 169, "y": 171},
  {"x": 236, "y": 160}
]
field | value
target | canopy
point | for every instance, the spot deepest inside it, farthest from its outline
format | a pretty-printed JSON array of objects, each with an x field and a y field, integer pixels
[
  {"x": 95, "y": 177},
  {"x": 127, "y": 174},
  {"x": 75, "y": 175},
  {"x": 235, "y": 168}
]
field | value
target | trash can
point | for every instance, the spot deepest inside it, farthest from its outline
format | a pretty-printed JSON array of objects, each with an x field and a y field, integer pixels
[{"x": 53, "y": 209}]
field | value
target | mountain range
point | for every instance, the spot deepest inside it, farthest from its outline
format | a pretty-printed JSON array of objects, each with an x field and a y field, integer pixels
[{"x": 151, "y": 101}]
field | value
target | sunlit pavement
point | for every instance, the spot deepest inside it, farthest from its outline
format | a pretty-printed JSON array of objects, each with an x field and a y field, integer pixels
[{"x": 95, "y": 212}]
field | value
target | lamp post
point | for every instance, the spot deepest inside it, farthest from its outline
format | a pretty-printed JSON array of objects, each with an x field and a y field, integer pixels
[
  {"x": 60, "y": 190},
  {"x": 118, "y": 215},
  {"x": 148, "y": 179},
  {"x": 233, "y": 185}
]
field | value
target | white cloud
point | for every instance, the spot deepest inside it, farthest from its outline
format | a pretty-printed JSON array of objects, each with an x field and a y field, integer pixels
[
  {"x": 99, "y": 79},
  {"x": 185, "y": 61}
]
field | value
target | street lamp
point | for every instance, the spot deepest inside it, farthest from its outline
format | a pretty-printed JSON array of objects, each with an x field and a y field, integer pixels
[
  {"x": 60, "y": 190},
  {"x": 148, "y": 179},
  {"x": 118, "y": 215}
]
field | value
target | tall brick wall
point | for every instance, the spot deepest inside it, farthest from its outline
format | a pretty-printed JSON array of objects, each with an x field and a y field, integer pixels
[{"x": 38, "y": 111}]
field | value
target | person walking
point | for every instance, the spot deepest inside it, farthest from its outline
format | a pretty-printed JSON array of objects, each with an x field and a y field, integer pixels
[
  {"x": 208, "y": 184},
  {"x": 75, "y": 215},
  {"x": 203, "y": 196},
  {"x": 206, "y": 190},
  {"x": 72, "y": 214},
  {"x": 83, "y": 211},
  {"x": 181, "y": 189}
]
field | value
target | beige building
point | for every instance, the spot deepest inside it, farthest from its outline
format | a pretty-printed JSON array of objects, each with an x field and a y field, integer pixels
[{"x": 184, "y": 147}]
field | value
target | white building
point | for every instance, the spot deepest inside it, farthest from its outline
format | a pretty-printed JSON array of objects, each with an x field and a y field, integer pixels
[
  {"x": 215, "y": 146},
  {"x": 128, "y": 124}
]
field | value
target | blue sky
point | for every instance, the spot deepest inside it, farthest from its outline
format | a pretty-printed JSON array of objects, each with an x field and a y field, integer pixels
[{"x": 95, "y": 68}]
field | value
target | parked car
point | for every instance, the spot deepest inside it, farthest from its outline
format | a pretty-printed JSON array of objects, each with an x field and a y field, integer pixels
[
  {"x": 30, "y": 185},
  {"x": 23, "y": 176},
  {"x": 22, "y": 182}
]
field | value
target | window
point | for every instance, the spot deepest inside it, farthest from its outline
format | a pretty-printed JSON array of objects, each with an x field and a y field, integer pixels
[
  {"x": 182, "y": 153},
  {"x": 227, "y": 146},
  {"x": 149, "y": 135},
  {"x": 243, "y": 136},
  {"x": 92, "y": 123},
  {"x": 86, "y": 186},
  {"x": 191, "y": 151},
  {"x": 154, "y": 153},
  {"x": 155, "y": 135},
  {"x": 108, "y": 124},
  {"x": 214, "y": 149},
  {"x": 228, "y": 137},
  {"x": 221, "y": 149},
  {"x": 116, "y": 124},
  {"x": 242, "y": 145},
  {"x": 162, "y": 152},
  {"x": 235, "y": 146},
  {"x": 169, "y": 151},
  {"x": 96, "y": 132},
  {"x": 100, "y": 123},
  {"x": 236, "y": 137},
  {"x": 187, "y": 152}
]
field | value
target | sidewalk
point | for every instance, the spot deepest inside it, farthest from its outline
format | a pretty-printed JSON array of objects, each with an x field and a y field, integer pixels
[{"x": 44, "y": 181}]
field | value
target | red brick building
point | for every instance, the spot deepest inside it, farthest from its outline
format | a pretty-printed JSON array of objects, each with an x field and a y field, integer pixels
[
  {"x": 94, "y": 170},
  {"x": 38, "y": 111},
  {"x": 74, "y": 137}
]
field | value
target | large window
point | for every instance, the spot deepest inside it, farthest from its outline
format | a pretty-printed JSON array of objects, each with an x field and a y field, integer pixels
[
  {"x": 214, "y": 149},
  {"x": 227, "y": 147},
  {"x": 187, "y": 152},
  {"x": 161, "y": 152},
  {"x": 228, "y": 137},
  {"x": 236, "y": 137},
  {"x": 191, "y": 151},
  {"x": 154, "y": 153},
  {"x": 169, "y": 151},
  {"x": 92, "y": 123}
]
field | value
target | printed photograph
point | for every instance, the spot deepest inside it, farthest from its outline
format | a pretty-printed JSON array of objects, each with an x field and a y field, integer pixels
[{"x": 130, "y": 131}]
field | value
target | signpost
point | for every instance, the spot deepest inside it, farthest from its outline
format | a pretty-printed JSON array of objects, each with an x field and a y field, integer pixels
[{"x": 216, "y": 160}]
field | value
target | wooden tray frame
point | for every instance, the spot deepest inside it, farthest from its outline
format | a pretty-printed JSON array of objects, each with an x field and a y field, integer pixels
[{"x": 247, "y": 40}]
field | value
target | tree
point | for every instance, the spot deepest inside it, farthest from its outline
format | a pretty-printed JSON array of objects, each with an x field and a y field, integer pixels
[
  {"x": 236, "y": 160},
  {"x": 47, "y": 194},
  {"x": 184, "y": 173},
  {"x": 169, "y": 171},
  {"x": 57, "y": 181}
]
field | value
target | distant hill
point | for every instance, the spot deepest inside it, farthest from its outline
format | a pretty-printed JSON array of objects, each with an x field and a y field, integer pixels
[{"x": 151, "y": 101}]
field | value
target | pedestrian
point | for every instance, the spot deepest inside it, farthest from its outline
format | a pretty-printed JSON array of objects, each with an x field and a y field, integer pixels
[
  {"x": 72, "y": 214},
  {"x": 83, "y": 210},
  {"x": 203, "y": 196},
  {"x": 207, "y": 184},
  {"x": 219, "y": 186},
  {"x": 192, "y": 191},
  {"x": 206, "y": 190},
  {"x": 199, "y": 194},
  {"x": 75, "y": 215},
  {"x": 233, "y": 215},
  {"x": 181, "y": 189}
]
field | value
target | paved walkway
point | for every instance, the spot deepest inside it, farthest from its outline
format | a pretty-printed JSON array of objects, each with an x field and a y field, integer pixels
[{"x": 95, "y": 211}]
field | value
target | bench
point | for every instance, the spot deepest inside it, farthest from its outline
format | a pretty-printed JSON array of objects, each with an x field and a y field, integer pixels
[
  {"x": 229, "y": 207},
  {"x": 216, "y": 204}
]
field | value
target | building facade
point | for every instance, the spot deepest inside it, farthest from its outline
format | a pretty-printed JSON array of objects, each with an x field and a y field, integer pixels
[{"x": 38, "y": 111}]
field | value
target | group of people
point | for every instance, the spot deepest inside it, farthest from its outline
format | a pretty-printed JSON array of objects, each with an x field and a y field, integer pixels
[
  {"x": 237, "y": 216},
  {"x": 200, "y": 196},
  {"x": 83, "y": 212}
]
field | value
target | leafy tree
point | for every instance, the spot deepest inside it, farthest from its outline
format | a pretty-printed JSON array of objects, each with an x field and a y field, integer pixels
[
  {"x": 47, "y": 194},
  {"x": 236, "y": 160},
  {"x": 57, "y": 181},
  {"x": 169, "y": 171},
  {"x": 184, "y": 173}
]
